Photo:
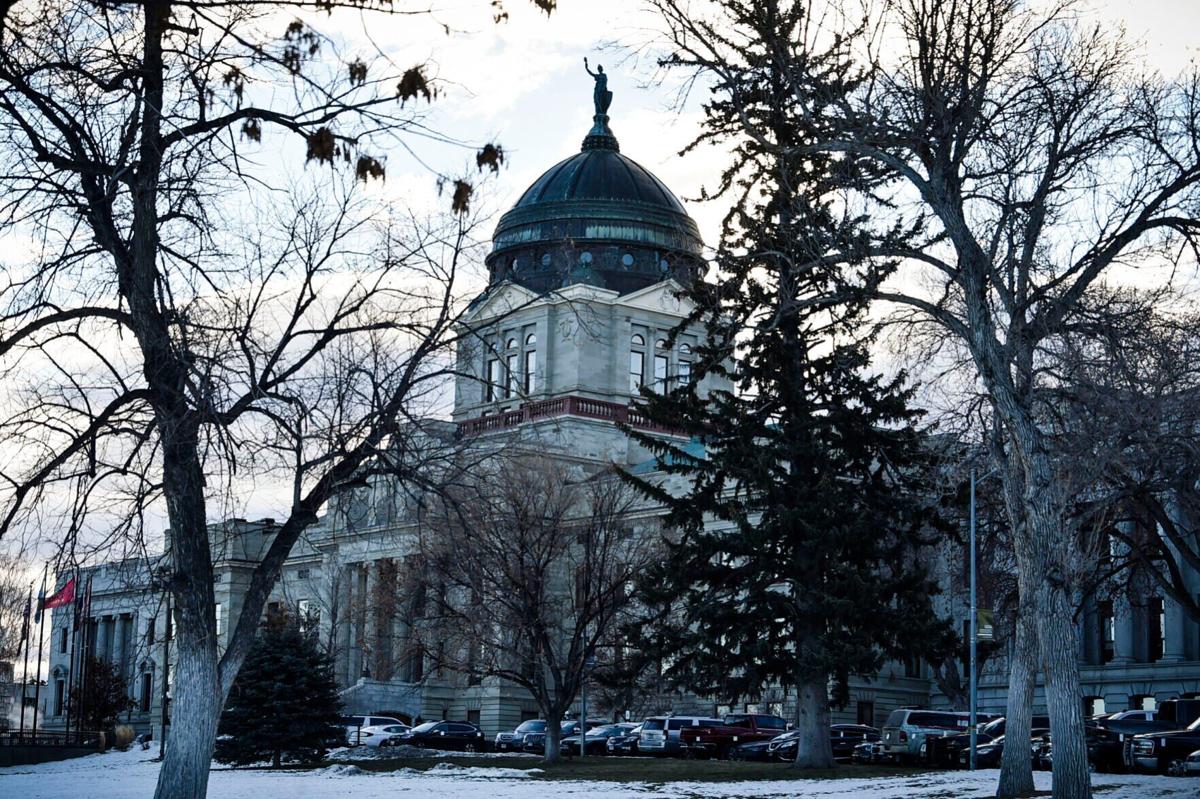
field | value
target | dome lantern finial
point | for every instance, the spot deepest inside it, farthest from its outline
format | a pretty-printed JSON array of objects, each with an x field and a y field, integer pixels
[{"x": 600, "y": 137}]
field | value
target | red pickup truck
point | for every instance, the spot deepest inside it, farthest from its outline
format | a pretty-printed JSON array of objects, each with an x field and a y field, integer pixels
[{"x": 716, "y": 741}]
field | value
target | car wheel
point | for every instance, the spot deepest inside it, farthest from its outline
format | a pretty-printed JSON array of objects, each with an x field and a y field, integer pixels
[
  {"x": 1176, "y": 769},
  {"x": 469, "y": 746}
]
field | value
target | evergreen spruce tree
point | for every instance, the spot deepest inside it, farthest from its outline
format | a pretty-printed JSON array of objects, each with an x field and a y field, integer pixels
[
  {"x": 810, "y": 572},
  {"x": 284, "y": 704},
  {"x": 103, "y": 695}
]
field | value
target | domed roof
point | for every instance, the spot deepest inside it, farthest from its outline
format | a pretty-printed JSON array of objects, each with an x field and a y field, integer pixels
[
  {"x": 601, "y": 210},
  {"x": 600, "y": 175}
]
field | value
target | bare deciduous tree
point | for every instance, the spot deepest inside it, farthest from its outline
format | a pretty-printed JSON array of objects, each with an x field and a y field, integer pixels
[
  {"x": 536, "y": 562},
  {"x": 181, "y": 326}
]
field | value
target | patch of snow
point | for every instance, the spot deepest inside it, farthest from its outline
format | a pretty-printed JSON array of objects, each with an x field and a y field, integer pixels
[{"x": 132, "y": 775}]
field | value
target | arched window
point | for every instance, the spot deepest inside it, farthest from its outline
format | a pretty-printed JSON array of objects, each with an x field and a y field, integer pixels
[
  {"x": 637, "y": 363},
  {"x": 661, "y": 344},
  {"x": 530, "y": 362},
  {"x": 511, "y": 344},
  {"x": 684, "y": 367}
]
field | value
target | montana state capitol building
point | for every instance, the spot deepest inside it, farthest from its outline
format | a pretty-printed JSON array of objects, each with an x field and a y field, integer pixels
[{"x": 583, "y": 278}]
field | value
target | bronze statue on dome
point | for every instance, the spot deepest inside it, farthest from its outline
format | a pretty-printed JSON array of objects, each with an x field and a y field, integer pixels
[{"x": 601, "y": 96}]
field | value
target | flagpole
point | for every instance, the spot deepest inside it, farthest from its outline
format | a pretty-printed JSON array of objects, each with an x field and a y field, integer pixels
[
  {"x": 74, "y": 622},
  {"x": 37, "y": 680},
  {"x": 25, "y": 667},
  {"x": 85, "y": 652}
]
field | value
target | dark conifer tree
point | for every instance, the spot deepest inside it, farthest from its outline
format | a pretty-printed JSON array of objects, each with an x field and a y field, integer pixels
[
  {"x": 810, "y": 573},
  {"x": 284, "y": 704},
  {"x": 103, "y": 695}
]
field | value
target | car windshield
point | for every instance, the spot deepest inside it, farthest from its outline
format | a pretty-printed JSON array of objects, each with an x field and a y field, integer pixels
[
  {"x": 994, "y": 728},
  {"x": 652, "y": 724},
  {"x": 1195, "y": 725},
  {"x": 426, "y": 727},
  {"x": 569, "y": 726},
  {"x": 533, "y": 725}
]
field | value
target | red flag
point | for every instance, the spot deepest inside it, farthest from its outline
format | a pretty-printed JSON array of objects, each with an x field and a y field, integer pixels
[{"x": 64, "y": 596}]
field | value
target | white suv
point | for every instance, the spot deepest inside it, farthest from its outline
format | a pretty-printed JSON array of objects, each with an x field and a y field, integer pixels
[
  {"x": 660, "y": 734},
  {"x": 354, "y": 724}
]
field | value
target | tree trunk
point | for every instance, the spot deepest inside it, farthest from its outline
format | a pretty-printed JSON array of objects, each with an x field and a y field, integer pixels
[
  {"x": 1016, "y": 768},
  {"x": 813, "y": 749},
  {"x": 195, "y": 709},
  {"x": 1060, "y": 651},
  {"x": 553, "y": 751}
]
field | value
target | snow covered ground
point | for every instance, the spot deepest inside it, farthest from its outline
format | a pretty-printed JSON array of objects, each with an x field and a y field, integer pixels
[{"x": 131, "y": 775}]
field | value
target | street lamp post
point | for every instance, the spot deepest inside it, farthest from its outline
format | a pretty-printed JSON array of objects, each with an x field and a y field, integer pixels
[
  {"x": 973, "y": 631},
  {"x": 974, "y": 624}
]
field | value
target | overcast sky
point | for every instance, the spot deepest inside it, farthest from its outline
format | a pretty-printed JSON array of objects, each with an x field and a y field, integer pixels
[{"x": 522, "y": 83}]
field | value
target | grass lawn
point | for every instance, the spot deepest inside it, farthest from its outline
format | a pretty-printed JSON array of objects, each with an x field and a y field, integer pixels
[{"x": 644, "y": 769}]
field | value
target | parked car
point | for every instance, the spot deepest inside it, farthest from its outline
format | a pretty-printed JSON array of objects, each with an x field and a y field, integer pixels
[
  {"x": 843, "y": 738},
  {"x": 846, "y": 737},
  {"x": 1128, "y": 715},
  {"x": 660, "y": 734},
  {"x": 513, "y": 741},
  {"x": 536, "y": 741},
  {"x": 871, "y": 752},
  {"x": 906, "y": 731},
  {"x": 1103, "y": 750},
  {"x": 355, "y": 723},
  {"x": 753, "y": 750},
  {"x": 595, "y": 739},
  {"x": 943, "y": 751},
  {"x": 457, "y": 735},
  {"x": 1163, "y": 752},
  {"x": 373, "y": 736},
  {"x": 989, "y": 755},
  {"x": 715, "y": 738},
  {"x": 1191, "y": 766},
  {"x": 626, "y": 743}
]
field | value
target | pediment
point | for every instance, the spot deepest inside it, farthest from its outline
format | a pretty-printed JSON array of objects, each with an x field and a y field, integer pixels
[
  {"x": 662, "y": 297},
  {"x": 502, "y": 300}
]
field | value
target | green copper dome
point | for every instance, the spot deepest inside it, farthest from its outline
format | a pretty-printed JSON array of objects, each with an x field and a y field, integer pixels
[{"x": 597, "y": 217}]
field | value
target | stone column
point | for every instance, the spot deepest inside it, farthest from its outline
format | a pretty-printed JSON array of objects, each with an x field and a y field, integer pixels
[
  {"x": 357, "y": 609},
  {"x": 370, "y": 606},
  {"x": 104, "y": 638},
  {"x": 1122, "y": 631},
  {"x": 345, "y": 634},
  {"x": 1174, "y": 630},
  {"x": 119, "y": 643},
  {"x": 1123, "y": 615}
]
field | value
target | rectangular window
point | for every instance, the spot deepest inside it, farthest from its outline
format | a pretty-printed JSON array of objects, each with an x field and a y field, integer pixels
[
  {"x": 660, "y": 372},
  {"x": 1155, "y": 629},
  {"x": 63, "y": 634},
  {"x": 685, "y": 372},
  {"x": 303, "y": 574},
  {"x": 513, "y": 387},
  {"x": 150, "y": 631},
  {"x": 60, "y": 693},
  {"x": 473, "y": 717},
  {"x": 219, "y": 614},
  {"x": 866, "y": 713},
  {"x": 309, "y": 613},
  {"x": 147, "y": 691},
  {"x": 637, "y": 368},
  {"x": 1108, "y": 632},
  {"x": 530, "y": 370},
  {"x": 493, "y": 380}
]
